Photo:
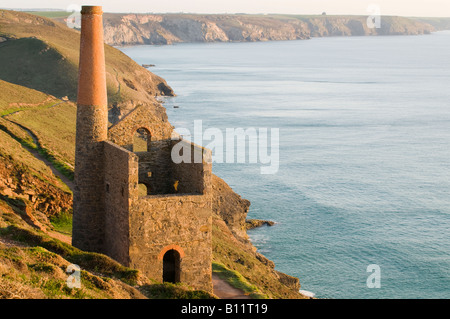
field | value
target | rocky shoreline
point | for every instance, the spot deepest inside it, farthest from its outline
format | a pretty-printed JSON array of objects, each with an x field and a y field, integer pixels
[{"x": 255, "y": 223}]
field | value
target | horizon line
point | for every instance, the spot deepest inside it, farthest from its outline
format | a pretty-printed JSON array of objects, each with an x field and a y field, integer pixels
[{"x": 220, "y": 13}]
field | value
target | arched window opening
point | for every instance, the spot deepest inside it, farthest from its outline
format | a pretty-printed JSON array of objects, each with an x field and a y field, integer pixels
[
  {"x": 171, "y": 266},
  {"x": 141, "y": 140}
]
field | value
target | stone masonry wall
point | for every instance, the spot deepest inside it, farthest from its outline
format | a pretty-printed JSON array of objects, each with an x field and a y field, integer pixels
[
  {"x": 142, "y": 116},
  {"x": 88, "y": 201},
  {"x": 163, "y": 221},
  {"x": 193, "y": 178},
  {"x": 173, "y": 216},
  {"x": 155, "y": 170},
  {"x": 120, "y": 186}
]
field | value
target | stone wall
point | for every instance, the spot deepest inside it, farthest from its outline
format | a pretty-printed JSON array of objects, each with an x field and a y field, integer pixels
[
  {"x": 120, "y": 187},
  {"x": 193, "y": 177},
  {"x": 140, "y": 229},
  {"x": 162, "y": 176},
  {"x": 162, "y": 222},
  {"x": 155, "y": 169},
  {"x": 180, "y": 221},
  {"x": 141, "y": 116},
  {"x": 177, "y": 212},
  {"x": 88, "y": 201}
]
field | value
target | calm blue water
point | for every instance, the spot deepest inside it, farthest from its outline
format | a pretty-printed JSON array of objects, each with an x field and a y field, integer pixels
[{"x": 364, "y": 173}]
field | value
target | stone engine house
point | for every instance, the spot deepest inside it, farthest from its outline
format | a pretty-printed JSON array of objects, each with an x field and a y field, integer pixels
[{"x": 131, "y": 201}]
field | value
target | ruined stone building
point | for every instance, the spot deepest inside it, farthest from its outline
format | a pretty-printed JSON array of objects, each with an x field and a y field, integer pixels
[{"x": 131, "y": 201}]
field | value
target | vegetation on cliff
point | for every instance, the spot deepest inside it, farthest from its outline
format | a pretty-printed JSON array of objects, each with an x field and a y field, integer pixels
[
  {"x": 34, "y": 264},
  {"x": 45, "y": 57},
  {"x": 38, "y": 67}
]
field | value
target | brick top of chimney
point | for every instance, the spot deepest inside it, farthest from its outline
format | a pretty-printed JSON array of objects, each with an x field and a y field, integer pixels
[{"x": 91, "y": 10}]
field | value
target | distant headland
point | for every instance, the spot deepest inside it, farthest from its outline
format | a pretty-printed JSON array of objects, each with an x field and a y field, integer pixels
[{"x": 160, "y": 29}]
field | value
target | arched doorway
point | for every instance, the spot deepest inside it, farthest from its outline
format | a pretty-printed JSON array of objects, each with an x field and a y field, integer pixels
[
  {"x": 141, "y": 140},
  {"x": 171, "y": 266}
]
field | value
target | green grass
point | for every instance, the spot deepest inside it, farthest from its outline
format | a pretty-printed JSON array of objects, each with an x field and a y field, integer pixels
[
  {"x": 13, "y": 93},
  {"x": 38, "y": 270},
  {"x": 17, "y": 133},
  {"x": 173, "y": 291},
  {"x": 238, "y": 281},
  {"x": 86, "y": 260},
  {"x": 11, "y": 149},
  {"x": 33, "y": 63},
  {"x": 50, "y": 14},
  {"x": 45, "y": 57},
  {"x": 28, "y": 143},
  {"x": 62, "y": 167},
  {"x": 34, "y": 272},
  {"x": 13, "y": 110},
  {"x": 62, "y": 223},
  {"x": 55, "y": 128}
]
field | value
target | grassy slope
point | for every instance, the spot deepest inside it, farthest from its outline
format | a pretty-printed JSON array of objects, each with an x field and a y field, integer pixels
[
  {"x": 13, "y": 150},
  {"x": 51, "y": 14},
  {"x": 49, "y": 119},
  {"x": 39, "y": 66},
  {"x": 15, "y": 97},
  {"x": 50, "y": 54},
  {"x": 55, "y": 128}
]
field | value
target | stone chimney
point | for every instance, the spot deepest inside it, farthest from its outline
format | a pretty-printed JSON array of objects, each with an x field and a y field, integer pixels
[{"x": 91, "y": 132}]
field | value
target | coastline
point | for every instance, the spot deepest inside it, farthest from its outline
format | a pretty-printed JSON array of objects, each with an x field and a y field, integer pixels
[{"x": 164, "y": 29}]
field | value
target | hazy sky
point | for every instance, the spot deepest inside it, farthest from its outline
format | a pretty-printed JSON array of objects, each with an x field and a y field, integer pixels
[{"x": 438, "y": 8}]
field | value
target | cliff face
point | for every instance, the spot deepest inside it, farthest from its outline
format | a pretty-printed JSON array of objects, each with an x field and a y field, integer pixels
[
  {"x": 123, "y": 29},
  {"x": 230, "y": 207}
]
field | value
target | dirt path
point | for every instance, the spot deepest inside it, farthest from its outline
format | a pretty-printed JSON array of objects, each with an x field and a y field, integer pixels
[
  {"x": 36, "y": 154},
  {"x": 224, "y": 290},
  {"x": 64, "y": 238}
]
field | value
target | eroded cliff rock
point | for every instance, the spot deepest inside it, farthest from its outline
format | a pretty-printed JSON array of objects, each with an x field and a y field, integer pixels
[
  {"x": 36, "y": 199},
  {"x": 124, "y": 29},
  {"x": 229, "y": 206}
]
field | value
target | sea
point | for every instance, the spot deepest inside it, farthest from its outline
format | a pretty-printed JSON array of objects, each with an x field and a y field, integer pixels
[{"x": 361, "y": 190}]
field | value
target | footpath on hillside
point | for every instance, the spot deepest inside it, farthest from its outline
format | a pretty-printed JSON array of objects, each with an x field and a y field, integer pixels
[{"x": 224, "y": 290}]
